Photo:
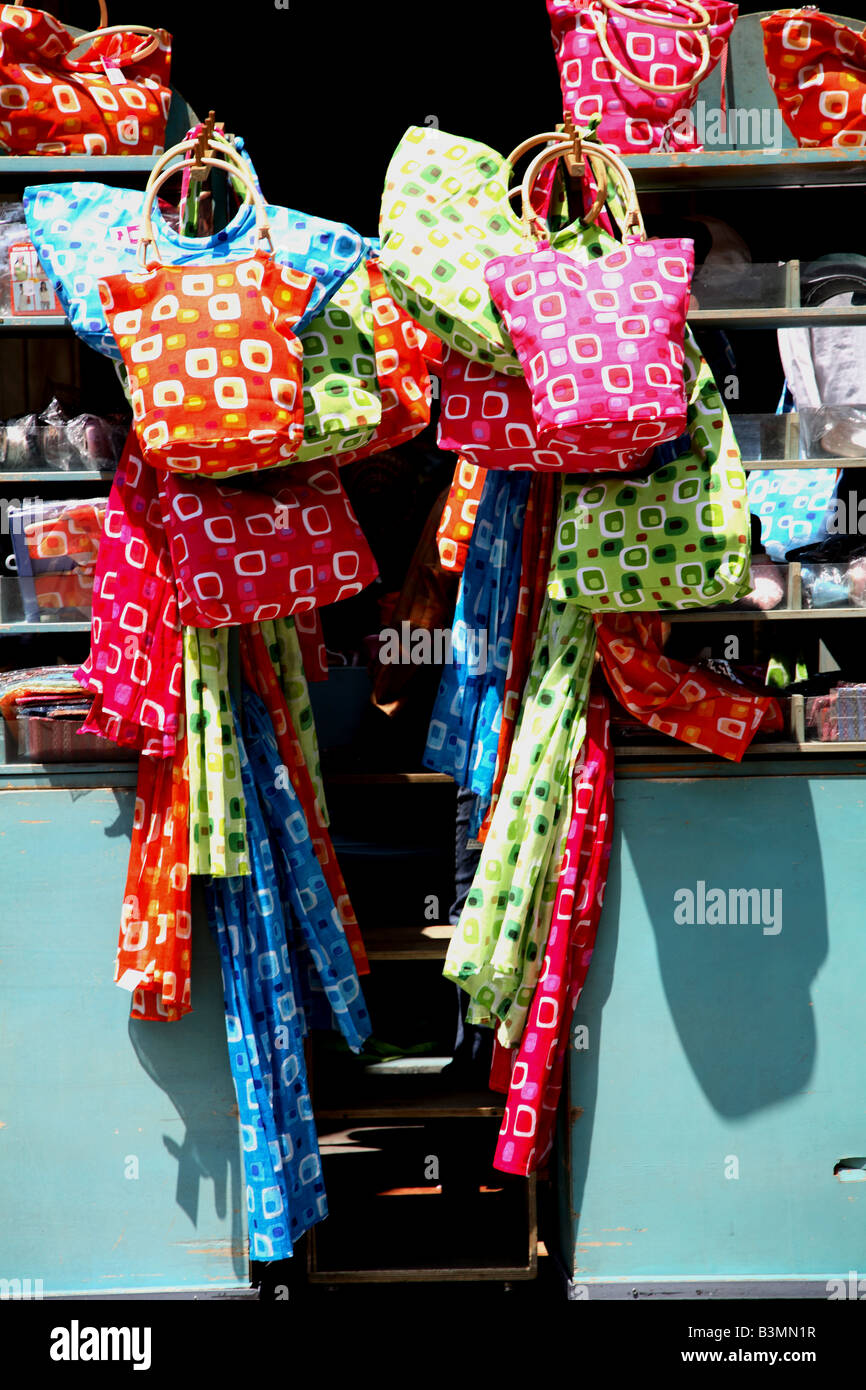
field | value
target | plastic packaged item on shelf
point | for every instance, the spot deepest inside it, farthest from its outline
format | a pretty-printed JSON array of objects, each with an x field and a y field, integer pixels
[
  {"x": 769, "y": 587},
  {"x": 20, "y": 444},
  {"x": 25, "y": 290},
  {"x": 54, "y": 441},
  {"x": 35, "y": 739},
  {"x": 55, "y": 545},
  {"x": 834, "y": 585},
  {"x": 821, "y": 722}
]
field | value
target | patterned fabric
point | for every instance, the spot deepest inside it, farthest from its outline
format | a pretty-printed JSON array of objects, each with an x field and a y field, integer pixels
[
  {"x": 535, "y": 1082},
  {"x": 404, "y": 381},
  {"x": 251, "y": 554},
  {"x": 633, "y": 120},
  {"x": 464, "y": 727},
  {"x": 71, "y": 528},
  {"x": 679, "y": 538},
  {"x": 218, "y": 836},
  {"x": 135, "y": 666},
  {"x": 284, "y": 649},
  {"x": 458, "y": 515},
  {"x": 445, "y": 213},
  {"x": 213, "y": 364},
  {"x": 261, "y": 675},
  {"x": 497, "y": 951},
  {"x": 261, "y": 923},
  {"x": 153, "y": 954},
  {"x": 87, "y": 232},
  {"x": 817, "y": 70},
  {"x": 685, "y": 702},
  {"x": 106, "y": 101},
  {"x": 342, "y": 403},
  {"x": 488, "y": 419},
  {"x": 308, "y": 626},
  {"x": 541, "y": 506},
  {"x": 601, "y": 344},
  {"x": 794, "y": 505}
]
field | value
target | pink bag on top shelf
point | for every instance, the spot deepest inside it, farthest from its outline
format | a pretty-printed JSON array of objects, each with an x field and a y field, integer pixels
[{"x": 638, "y": 64}]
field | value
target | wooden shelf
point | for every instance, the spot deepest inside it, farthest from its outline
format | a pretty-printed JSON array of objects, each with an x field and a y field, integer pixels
[
  {"x": 452, "y": 1105},
  {"x": 349, "y": 779},
  {"x": 38, "y": 324},
  {"x": 408, "y": 943},
  {"x": 739, "y": 169},
  {"x": 30, "y": 629},
  {"x": 14, "y": 166},
  {"x": 59, "y": 475},
  {"x": 748, "y": 615},
  {"x": 752, "y": 465}
]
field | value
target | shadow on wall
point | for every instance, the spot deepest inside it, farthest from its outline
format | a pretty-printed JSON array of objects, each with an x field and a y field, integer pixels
[
  {"x": 189, "y": 1061},
  {"x": 738, "y": 994}
]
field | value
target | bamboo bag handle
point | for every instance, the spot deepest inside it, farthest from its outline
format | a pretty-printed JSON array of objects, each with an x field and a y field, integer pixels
[
  {"x": 598, "y": 19},
  {"x": 632, "y": 223},
  {"x": 139, "y": 53},
  {"x": 156, "y": 180}
]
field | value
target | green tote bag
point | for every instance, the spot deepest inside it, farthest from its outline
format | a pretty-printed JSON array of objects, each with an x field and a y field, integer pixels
[
  {"x": 446, "y": 213},
  {"x": 676, "y": 539}
]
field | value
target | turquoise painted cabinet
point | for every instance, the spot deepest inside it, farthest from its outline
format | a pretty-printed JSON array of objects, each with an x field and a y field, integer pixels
[
  {"x": 719, "y": 1072},
  {"x": 120, "y": 1161}
]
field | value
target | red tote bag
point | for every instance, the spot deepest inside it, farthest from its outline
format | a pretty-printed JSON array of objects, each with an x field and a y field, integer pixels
[
  {"x": 113, "y": 99},
  {"x": 244, "y": 555},
  {"x": 817, "y": 69}
]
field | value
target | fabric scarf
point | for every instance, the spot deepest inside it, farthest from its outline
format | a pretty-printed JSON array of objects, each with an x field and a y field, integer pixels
[
  {"x": 685, "y": 702},
  {"x": 541, "y": 509},
  {"x": 292, "y": 771},
  {"x": 284, "y": 649},
  {"x": 218, "y": 834},
  {"x": 464, "y": 728},
  {"x": 497, "y": 952},
  {"x": 285, "y": 1193},
  {"x": 135, "y": 666},
  {"x": 459, "y": 513},
  {"x": 153, "y": 954},
  {"x": 535, "y": 1083}
]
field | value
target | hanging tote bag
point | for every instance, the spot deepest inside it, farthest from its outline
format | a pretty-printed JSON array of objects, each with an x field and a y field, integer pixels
[
  {"x": 341, "y": 397},
  {"x": 445, "y": 213},
  {"x": 637, "y": 65},
  {"x": 114, "y": 99},
  {"x": 403, "y": 377},
  {"x": 213, "y": 364},
  {"x": 817, "y": 69},
  {"x": 487, "y": 417},
  {"x": 676, "y": 539},
  {"x": 84, "y": 232},
  {"x": 243, "y": 555},
  {"x": 600, "y": 343}
]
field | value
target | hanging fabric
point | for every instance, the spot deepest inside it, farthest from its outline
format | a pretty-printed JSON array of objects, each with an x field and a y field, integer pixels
[
  {"x": 218, "y": 829},
  {"x": 687, "y": 702},
  {"x": 261, "y": 676},
  {"x": 497, "y": 951},
  {"x": 154, "y": 952},
  {"x": 464, "y": 727},
  {"x": 535, "y": 1068},
  {"x": 285, "y": 1193},
  {"x": 135, "y": 666}
]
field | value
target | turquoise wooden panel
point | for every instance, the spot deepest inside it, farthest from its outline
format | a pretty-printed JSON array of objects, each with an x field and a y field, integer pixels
[
  {"x": 88, "y": 1098},
  {"x": 720, "y": 1049}
]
